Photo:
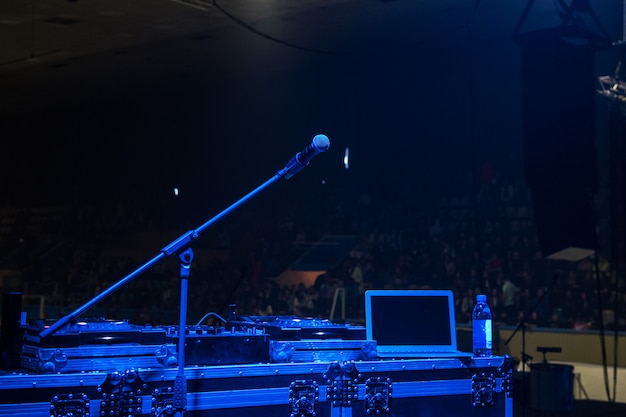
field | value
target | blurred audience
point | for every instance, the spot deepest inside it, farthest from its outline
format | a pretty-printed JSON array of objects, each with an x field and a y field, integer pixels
[{"x": 483, "y": 245}]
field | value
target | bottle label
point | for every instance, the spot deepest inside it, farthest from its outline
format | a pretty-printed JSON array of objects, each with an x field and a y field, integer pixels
[
  {"x": 482, "y": 334},
  {"x": 488, "y": 336}
]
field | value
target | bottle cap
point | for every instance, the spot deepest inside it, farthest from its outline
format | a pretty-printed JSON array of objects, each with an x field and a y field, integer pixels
[{"x": 481, "y": 298}]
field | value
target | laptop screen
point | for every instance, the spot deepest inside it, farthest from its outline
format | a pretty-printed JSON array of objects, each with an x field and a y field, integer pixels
[{"x": 410, "y": 321}]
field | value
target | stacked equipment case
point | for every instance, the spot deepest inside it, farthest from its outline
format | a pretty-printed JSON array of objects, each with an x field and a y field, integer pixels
[
  {"x": 332, "y": 384},
  {"x": 399, "y": 388}
]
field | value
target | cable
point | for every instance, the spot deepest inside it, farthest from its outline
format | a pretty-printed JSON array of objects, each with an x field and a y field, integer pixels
[
  {"x": 615, "y": 337},
  {"x": 600, "y": 305},
  {"x": 265, "y": 35},
  {"x": 209, "y": 314}
]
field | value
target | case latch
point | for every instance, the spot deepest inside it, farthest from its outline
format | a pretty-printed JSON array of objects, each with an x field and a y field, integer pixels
[
  {"x": 483, "y": 387},
  {"x": 303, "y": 398},
  {"x": 378, "y": 393},
  {"x": 69, "y": 405},
  {"x": 163, "y": 402}
]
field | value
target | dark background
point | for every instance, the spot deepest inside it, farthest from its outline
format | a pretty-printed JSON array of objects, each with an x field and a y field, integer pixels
[
  {"x": 105, "y": 101},
  {"x": 115, "y": 104}
]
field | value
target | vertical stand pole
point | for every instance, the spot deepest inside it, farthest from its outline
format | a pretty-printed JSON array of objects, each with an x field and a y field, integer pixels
[
  {"x": 180, "y": 384},
  {"x": 525, "y": 358},
  {"x": 339, "y": 292}
]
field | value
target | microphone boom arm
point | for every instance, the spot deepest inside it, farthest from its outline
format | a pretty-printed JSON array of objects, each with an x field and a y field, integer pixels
[{"x": 183, "y": 242}]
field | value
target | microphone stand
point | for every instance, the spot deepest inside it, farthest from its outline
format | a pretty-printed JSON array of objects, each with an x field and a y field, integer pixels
[
  {"x": 181, "y": 247},
  {"x": 522, "y": 326}
]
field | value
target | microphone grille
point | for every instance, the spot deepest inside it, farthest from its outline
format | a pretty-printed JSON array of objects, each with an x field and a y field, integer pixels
[{"x": 321, "y": 143}]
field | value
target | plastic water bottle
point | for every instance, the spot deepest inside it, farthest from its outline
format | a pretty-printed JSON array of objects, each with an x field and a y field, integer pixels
[{"x": 481, "y": 327}]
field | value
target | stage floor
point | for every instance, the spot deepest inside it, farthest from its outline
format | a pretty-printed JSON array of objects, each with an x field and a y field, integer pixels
[{"x": 582, "y": 408}]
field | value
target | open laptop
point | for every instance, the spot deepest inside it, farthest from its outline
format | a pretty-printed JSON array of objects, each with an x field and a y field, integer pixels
[{"x": 412, "y": 323}]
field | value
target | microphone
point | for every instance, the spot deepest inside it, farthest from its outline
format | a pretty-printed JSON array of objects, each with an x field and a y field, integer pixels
[{"x": 319, "y": 144}]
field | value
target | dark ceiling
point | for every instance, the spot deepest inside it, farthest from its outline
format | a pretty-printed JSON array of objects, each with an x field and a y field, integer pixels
[{"x": 106, "y": 99}]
